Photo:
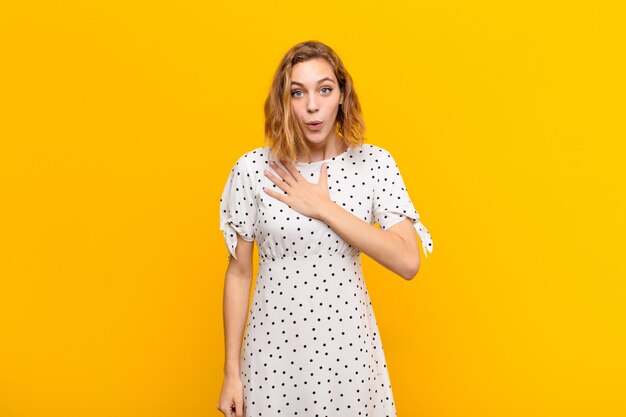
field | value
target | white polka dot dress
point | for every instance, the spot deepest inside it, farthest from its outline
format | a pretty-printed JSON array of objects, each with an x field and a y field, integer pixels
[{"x": 311, "y": 345}]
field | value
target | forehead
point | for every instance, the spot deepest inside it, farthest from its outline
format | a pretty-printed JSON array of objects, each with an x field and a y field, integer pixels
[{"x": 309, "y": 72}]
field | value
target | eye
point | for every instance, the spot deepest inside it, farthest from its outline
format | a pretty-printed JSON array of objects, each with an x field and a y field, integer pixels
[
  {"x": 295, "y": 91},
  {"x": 327, "y": 88}
]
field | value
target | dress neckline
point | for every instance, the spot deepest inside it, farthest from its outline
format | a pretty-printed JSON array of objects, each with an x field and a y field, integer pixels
[{"x": 323, "y": 160}]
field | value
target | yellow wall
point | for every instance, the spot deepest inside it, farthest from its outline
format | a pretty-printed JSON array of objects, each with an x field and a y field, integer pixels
[{"x": 120, "y": 122}]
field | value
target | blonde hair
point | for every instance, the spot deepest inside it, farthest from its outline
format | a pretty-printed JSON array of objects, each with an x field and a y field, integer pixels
[{"x": 282, "y": 132}]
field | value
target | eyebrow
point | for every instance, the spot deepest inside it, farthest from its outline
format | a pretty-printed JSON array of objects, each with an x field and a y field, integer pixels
[{"x": 320, "y": 81}]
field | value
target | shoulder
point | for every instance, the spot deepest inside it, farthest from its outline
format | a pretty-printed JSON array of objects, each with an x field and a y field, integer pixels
[
  {"x": 254, "y": 159},
  {"x": 376, "y": 152},
  {"x": 380, "y": 158},
  {"x": 249, "y": 167},
  {"x": 256, "y": 155}
]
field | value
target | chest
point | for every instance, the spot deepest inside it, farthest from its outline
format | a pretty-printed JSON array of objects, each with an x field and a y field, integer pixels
[{"x": 350, "y": 186}]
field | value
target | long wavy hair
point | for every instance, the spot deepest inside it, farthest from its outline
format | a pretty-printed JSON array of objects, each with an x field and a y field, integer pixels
[{"x": 282, "y": 131}]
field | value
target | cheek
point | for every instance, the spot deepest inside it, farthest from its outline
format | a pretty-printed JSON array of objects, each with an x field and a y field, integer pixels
[{"x": 297, "y": 110}]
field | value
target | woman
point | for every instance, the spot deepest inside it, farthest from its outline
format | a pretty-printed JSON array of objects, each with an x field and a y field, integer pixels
[{"x": 310, "y": 198}]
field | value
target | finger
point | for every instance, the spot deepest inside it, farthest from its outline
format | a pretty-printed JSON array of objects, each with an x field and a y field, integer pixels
[
  {"x": 285, "y": 175},
  {"x": 238, "y": 409},
  {"x": 272, "y": 193},
  {"x": 292, "y": 170},
  {"x": 276, "y": 180},
  {"x": 323, "y": 180}
]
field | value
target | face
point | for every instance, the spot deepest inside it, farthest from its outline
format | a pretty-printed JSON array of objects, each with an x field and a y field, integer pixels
[{"x": 315, "y": 99}]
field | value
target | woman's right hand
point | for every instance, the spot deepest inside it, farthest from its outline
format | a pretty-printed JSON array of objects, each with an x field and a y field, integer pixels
[{"x": 231, "y": 397}]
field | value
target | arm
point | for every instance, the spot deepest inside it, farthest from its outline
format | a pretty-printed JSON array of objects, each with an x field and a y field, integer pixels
[
  {"x": 395, "y": 248},
  {"x": 236, "y": 297}
]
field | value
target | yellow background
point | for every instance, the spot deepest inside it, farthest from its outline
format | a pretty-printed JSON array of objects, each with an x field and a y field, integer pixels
[{"x": 119, "y": 123}]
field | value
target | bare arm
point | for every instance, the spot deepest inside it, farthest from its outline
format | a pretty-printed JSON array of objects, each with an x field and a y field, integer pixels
[
  {"x": 236, "y": 297},
  {"x": 395, "y": 248}
]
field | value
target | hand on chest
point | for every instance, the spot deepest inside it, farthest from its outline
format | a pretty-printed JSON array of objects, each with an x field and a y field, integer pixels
[{"x": 351, "y": 189}]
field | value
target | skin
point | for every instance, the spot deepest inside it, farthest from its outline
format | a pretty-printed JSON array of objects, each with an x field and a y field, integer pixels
[{"x": 315, "y": 96}]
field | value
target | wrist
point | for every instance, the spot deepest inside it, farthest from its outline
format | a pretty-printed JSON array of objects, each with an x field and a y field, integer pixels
[
  {"x": 326, "y": 210},
  {"x": 231, "y": 370}
]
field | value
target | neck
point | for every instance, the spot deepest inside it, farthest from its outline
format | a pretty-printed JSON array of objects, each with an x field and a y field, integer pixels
[{"x": 319, "y": 152}]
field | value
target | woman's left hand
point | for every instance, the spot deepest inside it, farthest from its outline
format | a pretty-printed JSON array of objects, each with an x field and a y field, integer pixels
[{"x": 306, "y": 198}]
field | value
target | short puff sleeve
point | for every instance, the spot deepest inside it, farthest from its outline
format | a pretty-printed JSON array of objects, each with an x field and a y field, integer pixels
[
  {"x": 391, "y": 199},
  {"x": 238, "y": 206}
]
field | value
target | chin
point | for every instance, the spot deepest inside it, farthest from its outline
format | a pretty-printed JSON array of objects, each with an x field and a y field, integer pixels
[
  {"x": 314, "y": 139},
  {"x": 320, "y": 137}
]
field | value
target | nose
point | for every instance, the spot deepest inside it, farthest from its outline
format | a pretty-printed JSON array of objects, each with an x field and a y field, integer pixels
[{"x": 312, "y": 104}]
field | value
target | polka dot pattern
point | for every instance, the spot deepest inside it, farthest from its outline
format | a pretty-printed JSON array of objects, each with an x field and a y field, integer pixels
[{"x": 311, "y": 345}]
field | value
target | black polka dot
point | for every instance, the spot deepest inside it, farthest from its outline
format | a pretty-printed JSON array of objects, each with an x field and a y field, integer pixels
[{"x": 312, "y": 346}]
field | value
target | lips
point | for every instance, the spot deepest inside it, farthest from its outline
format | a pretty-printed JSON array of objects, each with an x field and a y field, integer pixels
[{"x": 314, "y": 126}]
